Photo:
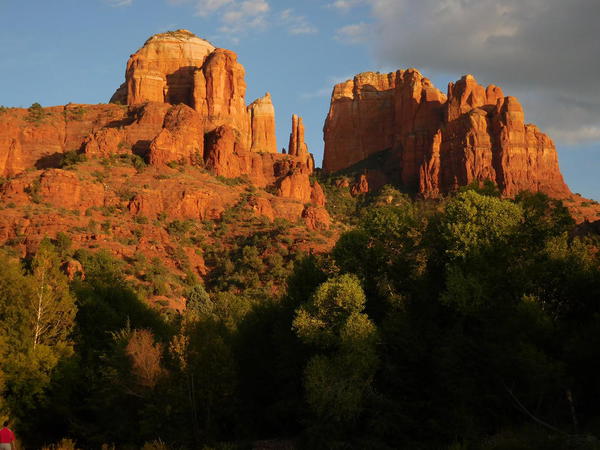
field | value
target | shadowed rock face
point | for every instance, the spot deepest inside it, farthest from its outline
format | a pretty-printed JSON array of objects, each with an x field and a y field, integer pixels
[{"x": 435, "y": 142}]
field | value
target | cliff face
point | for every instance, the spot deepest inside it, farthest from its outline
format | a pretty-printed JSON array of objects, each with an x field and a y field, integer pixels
[{"x": 435, "y": 143}]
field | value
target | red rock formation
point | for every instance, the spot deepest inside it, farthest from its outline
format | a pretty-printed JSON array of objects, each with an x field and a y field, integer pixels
[
  {"x": 163, "y": 69},
  {"x": 262, "y": 207},
  {"x": 360, "y": 186},
  {"x": 410, "y": 133},
  {"x": 297, "y": 147},
  {"x": 296, "y": 186},
  {"x": 73, "y": 269},
  {"x": 181, "y": 139},
  {"x": 316, "y": 218},
  {"x": 317, "y": 196},
  {"x": 105, "y": 142},
  {"x": 40, "y": 143},
  {"x": 225, "y": 155},
  {"x": 262, "y": 125},
  {"x": 369, "y": 95},
  {"x": 11, "y": 159},
  {"x": 178, "y": 202},
  {"x": 183, "y": 100},
  {"x": 225, "y": 88},
  {"x": 59, "y": 188}
]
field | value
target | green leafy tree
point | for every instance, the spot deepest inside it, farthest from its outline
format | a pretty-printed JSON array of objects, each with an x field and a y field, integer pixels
[
  {"x": 473, "y": 222},
  {"x": 53, "y": 306},
  {"x": 339, "y": 375}
]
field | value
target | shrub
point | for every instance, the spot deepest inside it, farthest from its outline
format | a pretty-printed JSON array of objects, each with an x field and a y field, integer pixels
[
  {"x": 232, "y": 181},
  {"x": 76, "y": 113},
  {"x": 36, "y": 113},
  {"x": 34, "y": 191},
  {"x": 142, "y": 220},
  {"x": 72, "y": 158}
]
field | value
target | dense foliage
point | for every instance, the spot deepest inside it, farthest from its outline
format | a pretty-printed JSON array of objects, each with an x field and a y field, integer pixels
[{"x": 467, "y": 323}]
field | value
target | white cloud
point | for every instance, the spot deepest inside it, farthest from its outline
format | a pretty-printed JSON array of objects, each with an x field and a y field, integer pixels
[
  {"x": 345, "y": 5},
  {"x": 242, "y": 16},
  {"x": 119, "y": 3},
  {"x": 296, "y": 24},
  {"x": 576, "y": 135},
  {"x": 354, "y": 33},
  {"x": 237, "y": 17},
  {"x": 205, "y": 8}
]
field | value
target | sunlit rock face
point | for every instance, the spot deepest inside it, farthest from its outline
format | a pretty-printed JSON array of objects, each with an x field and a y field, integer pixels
[{"x": 432, "y": 143}]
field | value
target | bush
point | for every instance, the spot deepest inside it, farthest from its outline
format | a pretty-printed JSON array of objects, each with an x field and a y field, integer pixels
[
  {"x": 36, "y": 113},
  {"x": 76, "y": 113},
  {"x": 34, "y": 191},
  {"x": 72, "y": 158},
  {"x": 232, "y": 181}
]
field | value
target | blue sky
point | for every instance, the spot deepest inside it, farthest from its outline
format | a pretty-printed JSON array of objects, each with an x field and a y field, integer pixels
[{"x": 61, "y": 51}]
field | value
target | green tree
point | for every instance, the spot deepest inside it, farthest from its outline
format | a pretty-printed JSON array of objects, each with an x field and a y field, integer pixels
[
  {"x": 473, "y": 223},
  {"x": 53, "y": 306},
  {"x": 339, "y": 375}
]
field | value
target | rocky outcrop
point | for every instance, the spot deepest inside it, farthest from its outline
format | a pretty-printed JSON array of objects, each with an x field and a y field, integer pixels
[
  {"x": 179, "y": 202},
  {"x": 163, "y": 69},
  {"x": 179, "y": 67},
  {"x": 360, "y": 186},
  {"x": 316, "y": 218},
  {"x": 225, "y": 154},
  {"x": 219, "y": 94},
  {"x": 297, "y": 147},
  {"x": 317, "y": 196},
  {"x": 296, "y": 186},
  {"x": 59, "y": 188},
  {"x": 181, "y": 139},
  {"x": 104, "y": 143},
  {"x": 407, "y": 132},
  {"x": 262, "y": 125},
  {"x": 11, "y": 159}
]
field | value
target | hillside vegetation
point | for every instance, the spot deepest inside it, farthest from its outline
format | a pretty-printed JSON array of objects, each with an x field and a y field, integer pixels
[{"x": 464, "y": 323}]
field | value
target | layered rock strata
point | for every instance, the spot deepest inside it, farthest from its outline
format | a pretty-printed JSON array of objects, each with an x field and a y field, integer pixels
[
  {"x": 183, "y": 102},
  {"x": 432, "y": 143}
]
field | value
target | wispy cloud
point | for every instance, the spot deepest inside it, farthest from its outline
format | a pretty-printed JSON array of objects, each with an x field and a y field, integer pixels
[
  {"x": 575, "y": 135},
  {"x": 207, "y": 7},
  {"x": 241, "y": 16},
  {"x": 345, "y": 5},
  {"x": 296, "y": 24},
  {"x": 237, "y": 17},
  {"x": 354, "y": 33},
  {"x": 119, "y": 3}
]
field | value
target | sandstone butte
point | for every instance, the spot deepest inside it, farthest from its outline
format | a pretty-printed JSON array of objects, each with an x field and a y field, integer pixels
[
  {"x": 183, "y": 101},
  {"x": 182, "y": 109},
  {"x": 399, "y": 128}
]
